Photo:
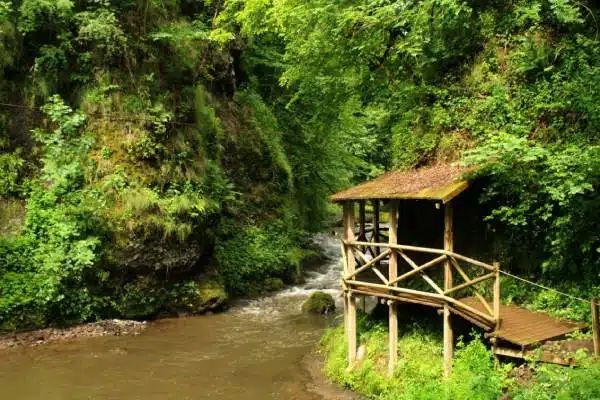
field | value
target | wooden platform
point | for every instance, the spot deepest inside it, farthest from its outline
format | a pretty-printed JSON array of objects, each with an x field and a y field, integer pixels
[{"x": 525, "y": 328}]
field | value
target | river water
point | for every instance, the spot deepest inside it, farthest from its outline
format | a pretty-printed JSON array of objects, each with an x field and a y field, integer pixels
[{"x": 259, "y": 349}]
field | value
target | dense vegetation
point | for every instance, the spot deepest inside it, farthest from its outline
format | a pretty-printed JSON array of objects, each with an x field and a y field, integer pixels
[
  {"x": 475, "y": 375},
  {"x": 154, "y": 152},
  {"x": 147, "y": 163}
]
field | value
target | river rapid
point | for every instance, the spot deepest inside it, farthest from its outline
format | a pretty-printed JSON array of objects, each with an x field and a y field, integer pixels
[{"x": 259, "y": 349}]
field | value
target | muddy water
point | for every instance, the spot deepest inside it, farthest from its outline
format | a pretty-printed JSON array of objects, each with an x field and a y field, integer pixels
[{"x": 257, "y": 350}]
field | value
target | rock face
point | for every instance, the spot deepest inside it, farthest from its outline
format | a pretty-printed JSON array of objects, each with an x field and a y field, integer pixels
[{"x": 319, "y": 303}]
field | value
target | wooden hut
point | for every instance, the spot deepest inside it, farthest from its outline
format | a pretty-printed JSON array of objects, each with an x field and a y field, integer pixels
[{"x": 385, "y": 260}]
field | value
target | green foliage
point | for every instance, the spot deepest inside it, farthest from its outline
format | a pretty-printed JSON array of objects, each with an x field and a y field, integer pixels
[
  {"x": 44, "y": 268},
  {"x": 475, "y": 374},
  {"x": 418, "y": 374},
  {"x": 545, "y": 196},
  {"x": 194, "y": 118},
  {"x": 10, "y": 168},
  {"x": 552, "y": 382},
  {"x": 248, "y": 256},
  {"x": 100, "y": 31}
]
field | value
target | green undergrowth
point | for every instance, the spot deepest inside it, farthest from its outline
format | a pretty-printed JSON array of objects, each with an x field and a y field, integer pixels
[
  {"x": 256, "y": 259},
  {"x": 567, "y": 304},
  {"x": 475, "y": 375}
]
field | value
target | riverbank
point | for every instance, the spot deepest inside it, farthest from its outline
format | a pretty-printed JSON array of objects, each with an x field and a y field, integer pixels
[
  {"x": 111, "y": 327},
  {"x": 476, "y": 373}
]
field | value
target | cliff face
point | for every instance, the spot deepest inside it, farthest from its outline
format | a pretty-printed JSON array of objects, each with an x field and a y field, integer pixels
[{"x": 133, "y": 148}]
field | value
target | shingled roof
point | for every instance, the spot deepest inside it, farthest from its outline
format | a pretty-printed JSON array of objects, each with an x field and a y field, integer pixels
[{"x": 440, "y": 182}]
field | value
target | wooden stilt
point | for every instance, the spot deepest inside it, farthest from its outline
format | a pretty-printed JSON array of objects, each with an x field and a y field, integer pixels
[
  {"x": 393, "y": 348},
  {"x": 349, "y": 299},
  {"x": 497, "y": 295},
  {"x": 448, "y": 333},
  {"x": 393, "y": 274},
  {"x": 596, "y": 327}
]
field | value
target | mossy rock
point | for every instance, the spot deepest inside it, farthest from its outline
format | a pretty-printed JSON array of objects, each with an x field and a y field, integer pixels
[
  {"x": 211, "y": 296},
  {"x": 319, "y": 303}
]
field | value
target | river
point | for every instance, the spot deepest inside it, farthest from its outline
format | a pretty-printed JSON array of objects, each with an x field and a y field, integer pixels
[{"x": 259, "y": 349}]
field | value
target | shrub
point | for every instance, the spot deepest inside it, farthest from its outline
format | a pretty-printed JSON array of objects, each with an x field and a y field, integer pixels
[{"x": 252, "y": 254}]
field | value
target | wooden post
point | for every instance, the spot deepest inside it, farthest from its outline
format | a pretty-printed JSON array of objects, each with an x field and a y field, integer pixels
[
  {"x": 393, "y": 274},
  {"x": 361, "y": 221},
  {"x": 595, "y": 327},
  {"x": 349, "y": 301},
  {"x": 362, "y": 236},
  {"x": 376, "y": 236},
  {"x": 497, "y": 296},
  {"x": 448, "y": 283}
]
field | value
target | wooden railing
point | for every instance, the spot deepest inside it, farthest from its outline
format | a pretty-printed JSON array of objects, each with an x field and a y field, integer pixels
[{"x": 441, "y": 295}]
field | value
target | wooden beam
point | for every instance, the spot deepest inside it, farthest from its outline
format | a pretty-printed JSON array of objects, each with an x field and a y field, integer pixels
[
  {"x": 429, "y": 264},
  {"x": 349, "y": 302},
  {"x": 503, "y": 351},
  {"x": 471, "y": 283},
  {"x": 479, "y": 296},
  {"x": 377, "y": 272},
  {"x": 427, "y": 279},
  {"x": 345, "y": 262},
  {"x": 471, "y": 318},
  {"x": 595, "y": 327},
  {"x": 471, "y": 261},
  {"x": 398, "y": 297},
  {"x": 497, "y": 296},
  {"x": 392, "y": 275},
  {"x": 385, "y": 288},
  {"x": 426, "y": 250},
  {"x": 393, "y": 348},
  {"x": 448, "y": 283},
  {"x": 376, "y": 236},
  {"x": 400, "y": 247},
  {"x": 426, "y": 295},
  {"x": 369, "y": 264},
  {"x": 361, "y": 221},
  {"x": 457, "y": 303}
]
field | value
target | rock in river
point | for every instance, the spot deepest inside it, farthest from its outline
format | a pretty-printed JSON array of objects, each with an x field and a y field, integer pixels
[{"x": 319, "y": 303}]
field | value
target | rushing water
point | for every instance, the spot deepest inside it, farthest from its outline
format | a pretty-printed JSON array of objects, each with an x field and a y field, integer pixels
[{"x": 259, "y": 349}]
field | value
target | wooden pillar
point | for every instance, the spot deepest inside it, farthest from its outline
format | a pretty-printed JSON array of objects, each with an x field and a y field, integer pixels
[
  {"x": 596, "y": 327},
  {"x": 393, "y": 274},
  {"x": 376, "y": 237},
  {"x": 497, "y": 296},
  {"x": 362, "y": 235},
  {"x": 361, "y": 221},
  {"x": 349, "y": 301},
  {"x": 448, "y": 283}
]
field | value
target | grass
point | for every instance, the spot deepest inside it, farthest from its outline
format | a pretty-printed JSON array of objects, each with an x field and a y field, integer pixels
[{"x": 476, "y": 373}]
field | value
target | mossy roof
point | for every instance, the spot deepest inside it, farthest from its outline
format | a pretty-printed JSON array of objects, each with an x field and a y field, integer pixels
[{"x": 441, "y": 182}]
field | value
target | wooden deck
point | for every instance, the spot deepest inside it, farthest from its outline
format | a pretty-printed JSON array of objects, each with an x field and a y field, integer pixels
[
  {"x": 525, "y": 328},
  {"x": 518, "y": 326}
]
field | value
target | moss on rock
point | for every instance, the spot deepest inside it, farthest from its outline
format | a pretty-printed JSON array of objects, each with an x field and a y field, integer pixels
[
  {"x": 211, "y": 296},
  {"x": 319, "y": 303}
]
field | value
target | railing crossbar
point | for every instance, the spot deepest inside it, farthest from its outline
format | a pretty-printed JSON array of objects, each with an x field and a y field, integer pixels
[
  {"x": 429, "y": 264},
  {"x": 368, "y": 264},
  {"x": 479, "y": 296}
]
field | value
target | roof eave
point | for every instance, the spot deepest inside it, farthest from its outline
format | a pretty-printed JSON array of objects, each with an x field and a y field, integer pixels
[{"x": 445, "y": 194}]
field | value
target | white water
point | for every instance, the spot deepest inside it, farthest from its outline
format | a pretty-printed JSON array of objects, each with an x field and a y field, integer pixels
[{"x": 326, "y": 278}]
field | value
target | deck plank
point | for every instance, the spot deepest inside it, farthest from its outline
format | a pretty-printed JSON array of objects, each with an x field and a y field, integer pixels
[{"x": 524, "y": 327}]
